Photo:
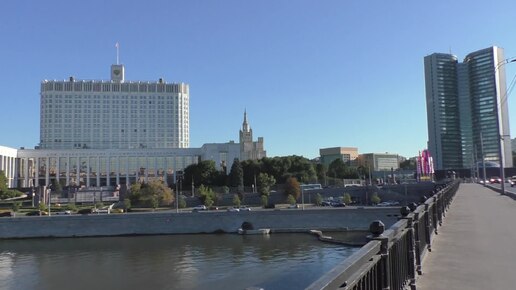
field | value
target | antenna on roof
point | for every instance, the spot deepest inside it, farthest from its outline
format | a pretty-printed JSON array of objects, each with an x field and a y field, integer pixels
[{"x": 117, "y": 53}]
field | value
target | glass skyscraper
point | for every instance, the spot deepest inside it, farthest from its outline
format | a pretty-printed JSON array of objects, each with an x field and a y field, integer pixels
[{"x": 467, "y": 103}]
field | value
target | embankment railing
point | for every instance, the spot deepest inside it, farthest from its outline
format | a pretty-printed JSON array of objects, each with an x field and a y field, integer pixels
[{"x": 392, "y": 257}]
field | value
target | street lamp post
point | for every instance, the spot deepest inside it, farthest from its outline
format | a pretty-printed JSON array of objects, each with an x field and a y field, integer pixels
[
  {"x": 483, "y": 157},
  {"x": 302, "y": 198},
  {"x": 500, "y": 130}
]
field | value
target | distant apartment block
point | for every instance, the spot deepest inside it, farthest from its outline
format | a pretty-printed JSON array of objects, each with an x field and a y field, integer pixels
[
  {"x": 347, "y": 154},
  {"x": 379, "y": 161},
  {"x": 467, "y": 108},
  {"x": 114, "y": 114}
]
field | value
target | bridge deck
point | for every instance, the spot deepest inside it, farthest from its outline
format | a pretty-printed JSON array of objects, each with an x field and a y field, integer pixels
[{"x": 476, "y": 246}]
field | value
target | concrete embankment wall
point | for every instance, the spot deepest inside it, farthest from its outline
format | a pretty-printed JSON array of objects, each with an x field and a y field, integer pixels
[{"x": 192, "y": 223}]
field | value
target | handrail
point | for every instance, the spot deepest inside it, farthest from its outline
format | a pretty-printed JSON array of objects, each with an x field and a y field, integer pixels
[{"x": 392, "y": 258}]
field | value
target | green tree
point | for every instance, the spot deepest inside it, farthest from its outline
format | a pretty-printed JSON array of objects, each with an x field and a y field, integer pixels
[
  {"x": 16, "y": 206},
  {"x": 3, "y": 181},
  {"x": 339, "y": 169},
  {"x": 292, "y": 187},
  {"x": 318, "y": 199},
  {"x": 265, "y": 200},
  {"x": 225, "y": 189},
  {"x": 346, "y": 198},
  {"x": 206, "y": 193},
  {"x": 135, "y": 192},
  {"x": 409, "y": 164},
  {"x": 204, "y": 172},
  {"x": 71, "y": 207},
  {"x": 58, "y": 188},
  {"x": 127, "y": 204},
  {"x": 150, "y": 193},
  {"x": 182, "y": 202},
  {"x": 265, "y": 182},
  {"x": 321, "y": 172},
  {"x": 153, "y": 201},
  {"x": 236, "y": 176},
  {"x": 251, "y": 169},
  {"x": 5, "y": 192},
  {"x": 375, "y": 199},
  {"x": 236, "y": 200},
  {"x": 42, "y": 206},
  {"x": 208, "y": 201},
  {"x": 291, "y": 199}
]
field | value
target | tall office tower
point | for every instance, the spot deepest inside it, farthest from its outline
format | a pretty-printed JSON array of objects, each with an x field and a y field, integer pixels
[
  {"x": 467, "y": 108},
  {"x": 114, "y": 114}
]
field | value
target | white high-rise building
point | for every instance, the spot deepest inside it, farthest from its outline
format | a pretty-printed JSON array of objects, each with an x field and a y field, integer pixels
[
  {"x": 467, "y": 109},
  {"x": 114, "y": 114}
]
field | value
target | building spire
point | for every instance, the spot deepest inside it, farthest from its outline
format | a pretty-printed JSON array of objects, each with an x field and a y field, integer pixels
[{"x": 245, "y": 125}]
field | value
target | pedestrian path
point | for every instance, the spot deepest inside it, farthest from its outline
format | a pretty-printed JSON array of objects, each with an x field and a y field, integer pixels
[{"x": 476, "y": 245}]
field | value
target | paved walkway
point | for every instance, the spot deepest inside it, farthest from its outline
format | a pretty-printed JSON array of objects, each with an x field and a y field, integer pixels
[{"x": 476, "y": 246}]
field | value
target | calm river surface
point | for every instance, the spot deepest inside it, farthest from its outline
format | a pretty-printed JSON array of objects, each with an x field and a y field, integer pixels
[{"x": 278, "y": 261}]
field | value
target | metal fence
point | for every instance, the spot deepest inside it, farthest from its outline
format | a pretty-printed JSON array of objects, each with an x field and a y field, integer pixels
[{"x": 392, "y": 258}]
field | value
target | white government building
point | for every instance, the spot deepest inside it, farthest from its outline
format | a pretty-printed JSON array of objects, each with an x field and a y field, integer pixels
[{"x": 106, "y": 133}]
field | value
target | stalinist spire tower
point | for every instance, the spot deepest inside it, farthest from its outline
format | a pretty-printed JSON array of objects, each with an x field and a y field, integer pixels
[
  {"x": 248, "y": 148},
  {"x": 246, "y": 134}
]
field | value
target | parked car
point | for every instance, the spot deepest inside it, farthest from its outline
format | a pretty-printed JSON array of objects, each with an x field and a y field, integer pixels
[
  {"x": 338, "y": 204},
  {"x": 233, "y": 209},
  {"x": 100, "y": 210},
  {"x": 495, "y": 179},
  {"x": 325, "y": 203},
  {"x": 85, "y": 211},
  {"x": 199, "y": 208},
  {"x": 65, "y": 212},
  {"x": 244, "y": 208},
  {"x": 36, "y": 213},
  {"x": 6, "y": 214},
  {"x": 293, "y": 206},
  {"x": 512, "y": 181}
]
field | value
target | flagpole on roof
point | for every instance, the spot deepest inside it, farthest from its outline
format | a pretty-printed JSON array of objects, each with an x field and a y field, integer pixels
[{"x": 117, "y": 53}]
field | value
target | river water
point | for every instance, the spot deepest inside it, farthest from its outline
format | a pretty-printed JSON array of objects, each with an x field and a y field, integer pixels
[{"x": 278, "y": 261}]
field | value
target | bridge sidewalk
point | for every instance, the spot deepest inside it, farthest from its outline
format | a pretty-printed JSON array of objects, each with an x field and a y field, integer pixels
[{"x": 476, "y": 246}]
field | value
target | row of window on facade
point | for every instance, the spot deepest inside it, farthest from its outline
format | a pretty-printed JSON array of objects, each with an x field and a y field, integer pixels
[
  {"x": 100, "y": 86},
  {"x": 93, "y": 166}
]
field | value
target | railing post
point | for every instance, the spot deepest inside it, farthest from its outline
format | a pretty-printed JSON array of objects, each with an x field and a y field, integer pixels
[
  {"x": 428, "y": 237},
  {"x": 411, "y": 247},
  {"x": 377, "y": 228},
  {"x": 417, "y": 242},
  {"x": 435, "y": 214}
]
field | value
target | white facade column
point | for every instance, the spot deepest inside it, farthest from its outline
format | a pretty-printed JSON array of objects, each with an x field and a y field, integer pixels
[
  {"x": 146, "y": 169},
  {"x": 108, "y": 170},
  {"x": 36, "y": 172},
  {"x": 68, "y": 170},
  {"x": 88, "y": 171},
  {"x": 117, "y": 170},
  {"x": 26, "y": 169},
  {"x": 47, "y": 172},
  {"x": 98, "y": 170},
  {"x": 78, "y": 170}
]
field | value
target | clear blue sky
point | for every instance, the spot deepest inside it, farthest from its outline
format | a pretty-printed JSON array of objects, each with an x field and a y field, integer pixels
[{"x": 311, "y": 74}]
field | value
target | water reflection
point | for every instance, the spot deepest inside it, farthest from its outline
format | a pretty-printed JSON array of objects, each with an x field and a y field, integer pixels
[{"x": 282, "y": 261}]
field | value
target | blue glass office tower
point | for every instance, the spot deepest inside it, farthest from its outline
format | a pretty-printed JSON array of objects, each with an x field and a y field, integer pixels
[{"x": 464, "y": 101}]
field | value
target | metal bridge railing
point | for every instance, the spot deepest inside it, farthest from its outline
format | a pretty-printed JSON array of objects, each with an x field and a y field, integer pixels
[{"x": 392, "y": 257}]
